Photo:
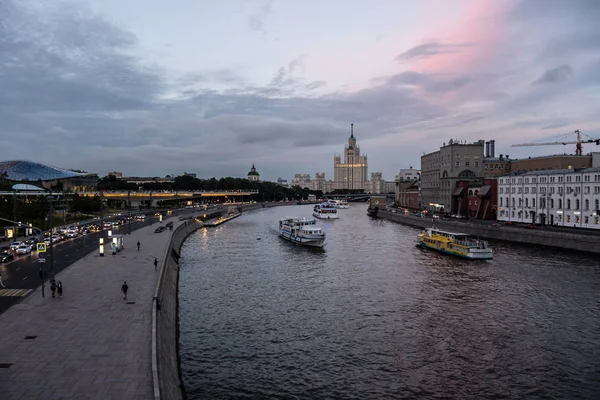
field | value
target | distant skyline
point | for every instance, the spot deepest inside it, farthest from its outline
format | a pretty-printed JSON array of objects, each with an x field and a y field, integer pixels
[{"x": 148, "y": 87}]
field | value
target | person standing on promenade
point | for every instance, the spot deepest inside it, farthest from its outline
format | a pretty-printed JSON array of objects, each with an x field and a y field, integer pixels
[
  {"x": 124, "y": 290},
  {"x": 138, "y": 245},
  {"x": 155, "y": 264},
  {"x": 59, "y": 289}
]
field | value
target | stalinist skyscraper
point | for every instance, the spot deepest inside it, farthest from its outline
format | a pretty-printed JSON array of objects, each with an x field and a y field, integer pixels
[{"x": 352, "y": 173}]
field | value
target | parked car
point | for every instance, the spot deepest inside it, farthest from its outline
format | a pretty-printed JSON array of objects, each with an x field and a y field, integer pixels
[{"x": 6, "y": 255}]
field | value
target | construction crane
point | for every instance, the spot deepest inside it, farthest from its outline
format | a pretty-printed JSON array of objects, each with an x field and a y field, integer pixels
[{"x": 578, "y": 143}]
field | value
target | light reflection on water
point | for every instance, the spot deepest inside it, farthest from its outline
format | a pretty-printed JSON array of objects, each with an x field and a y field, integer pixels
[{"x": 372, "y": 316}]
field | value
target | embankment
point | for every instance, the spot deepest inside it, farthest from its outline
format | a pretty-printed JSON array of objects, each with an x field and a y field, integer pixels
[
  {"x": 165, "y": 327},
  {"x": 165, "y": 335},
  {"x": 518, "y": 234}
]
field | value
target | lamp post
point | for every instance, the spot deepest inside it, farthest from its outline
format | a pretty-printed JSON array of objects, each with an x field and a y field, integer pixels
[
  {"x": 129, "y": 211},
  {"x": 101, "y": 242},
  {"x": 51, "y": 199},
  {"x": 14, "y": 216}
]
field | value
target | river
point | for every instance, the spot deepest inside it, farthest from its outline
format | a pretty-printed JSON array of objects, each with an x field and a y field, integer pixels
[{"x": 373, "y": 317}]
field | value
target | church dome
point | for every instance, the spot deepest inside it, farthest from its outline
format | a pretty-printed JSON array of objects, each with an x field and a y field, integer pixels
[{"x": 253, "y": 172}]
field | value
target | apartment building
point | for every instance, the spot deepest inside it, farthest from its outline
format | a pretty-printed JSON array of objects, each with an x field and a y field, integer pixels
[{"x": 562, "y": 197}]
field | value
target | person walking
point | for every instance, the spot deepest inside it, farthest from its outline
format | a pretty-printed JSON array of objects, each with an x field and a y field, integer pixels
[
  {"x": 155, "y": 264},
  {"x": 1, "y": 283},
  {"x": 124, "y": 290},
  {"x": 59, "y": 289},
  {"x": 138, "y": 245},
  {"x": 53, "y": 287}
]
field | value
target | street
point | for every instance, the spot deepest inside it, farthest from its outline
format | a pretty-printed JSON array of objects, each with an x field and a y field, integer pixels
[{"x": 23, "y": 273}]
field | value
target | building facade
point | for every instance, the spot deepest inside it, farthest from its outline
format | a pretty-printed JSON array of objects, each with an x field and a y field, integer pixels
[
  {"x": 559, "y": 161},
  {"x": 430, "y": 180},
  {"x": 477, "y": 199},
  {"x": 408, "y": 175},
  {"x": 351, "y": 174},
  {"x": 408, "y": 195},
  {"x": 459, "y": 162},
  {"x": 562, "y": 197}
]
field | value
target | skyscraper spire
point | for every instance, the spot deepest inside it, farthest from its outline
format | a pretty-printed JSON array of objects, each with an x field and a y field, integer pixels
[{"x": 351, "y": 130}]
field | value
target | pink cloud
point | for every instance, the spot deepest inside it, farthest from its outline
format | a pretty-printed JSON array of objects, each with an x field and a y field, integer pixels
[{"x": 470, "y": 42}]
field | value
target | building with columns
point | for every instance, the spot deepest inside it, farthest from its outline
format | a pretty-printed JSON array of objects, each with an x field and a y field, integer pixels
[{"x": 352, "y": 173}]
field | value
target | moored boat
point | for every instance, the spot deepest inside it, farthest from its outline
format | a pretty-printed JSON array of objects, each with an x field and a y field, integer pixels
[
  {"x": 303, "y": 231},
  {"x": 458, "y": 244},
  {"x": 325, "y": 211}
]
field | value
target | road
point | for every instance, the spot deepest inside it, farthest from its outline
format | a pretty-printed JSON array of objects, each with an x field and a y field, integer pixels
[{"x": 21, "y": 276}]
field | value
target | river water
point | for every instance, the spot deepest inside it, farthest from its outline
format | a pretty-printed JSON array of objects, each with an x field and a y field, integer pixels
[{"x": 374, "y": 317}]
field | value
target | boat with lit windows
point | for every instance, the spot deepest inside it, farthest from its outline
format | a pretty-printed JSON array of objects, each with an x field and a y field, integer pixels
[
  {"x": 303, "y": 231},
  {"x": 342, "y": 204},
  {"x": 458, "y": 244},
  {"x": 325, "y": 211}
]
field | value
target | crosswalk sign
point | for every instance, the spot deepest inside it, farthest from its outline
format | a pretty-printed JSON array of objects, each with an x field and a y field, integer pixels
[{"x": 41, "y": 247}]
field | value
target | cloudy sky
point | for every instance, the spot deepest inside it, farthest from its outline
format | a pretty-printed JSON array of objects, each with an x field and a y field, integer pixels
[{"x": 152, "y": 87}]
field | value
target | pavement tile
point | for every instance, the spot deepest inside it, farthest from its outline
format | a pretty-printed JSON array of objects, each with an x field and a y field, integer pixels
[{"x": 90, "y": 344}]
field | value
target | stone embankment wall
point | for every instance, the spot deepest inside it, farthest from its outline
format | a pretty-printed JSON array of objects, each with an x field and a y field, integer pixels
[
  {"x": 167, "y": 312},
  {"x": 544, "y": 237}
]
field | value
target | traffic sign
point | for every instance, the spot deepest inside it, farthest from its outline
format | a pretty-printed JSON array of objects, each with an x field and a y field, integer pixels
[
  {"x": 41, "y": 247},
  {"x": 42, "y": 260}
]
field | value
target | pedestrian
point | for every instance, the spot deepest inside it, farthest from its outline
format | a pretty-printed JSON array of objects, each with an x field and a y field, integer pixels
[
  {"x": 59, "y": 289},
  {"x": 156, "y": 264},
  {"x": 138, "y": 245},
  {"x": 53, "y": 287},
  {"x": 124, "y": 290},
  {"x": 1, "y": 283}
]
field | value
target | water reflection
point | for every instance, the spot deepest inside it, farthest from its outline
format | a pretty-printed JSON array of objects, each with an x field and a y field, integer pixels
[{"x": 372, "y": 316}]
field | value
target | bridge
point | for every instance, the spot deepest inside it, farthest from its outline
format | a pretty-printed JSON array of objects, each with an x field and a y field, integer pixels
[
  {"x": 358, "y": 197},
  {"x": 147, "y": 198}
]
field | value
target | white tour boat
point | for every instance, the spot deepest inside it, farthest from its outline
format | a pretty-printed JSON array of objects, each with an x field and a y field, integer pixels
[
  {"x": 342, "y": 204},
  {"x": 302, "y": 231},
  {"x": 325, "y": 211}
]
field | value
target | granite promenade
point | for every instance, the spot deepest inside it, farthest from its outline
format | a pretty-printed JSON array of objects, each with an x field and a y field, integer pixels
[{"x": 90, "y": 344}]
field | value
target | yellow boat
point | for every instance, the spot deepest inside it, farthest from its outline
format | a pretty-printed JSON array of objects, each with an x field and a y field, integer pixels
[{"x": 458, "y": 244}]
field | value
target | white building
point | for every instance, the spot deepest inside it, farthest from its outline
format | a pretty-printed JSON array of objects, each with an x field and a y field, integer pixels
[
  {"x": 565, "y": 197},
  {"x": 408, "y": 175}
]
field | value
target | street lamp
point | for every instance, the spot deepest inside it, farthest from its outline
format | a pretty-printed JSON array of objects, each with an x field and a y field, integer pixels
[
  {"x": 101, "y": 242},
  {"x": 50, "y": 200}
]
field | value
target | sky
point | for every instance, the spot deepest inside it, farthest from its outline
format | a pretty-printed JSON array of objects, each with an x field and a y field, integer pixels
[{"x": 151, "y": 87}]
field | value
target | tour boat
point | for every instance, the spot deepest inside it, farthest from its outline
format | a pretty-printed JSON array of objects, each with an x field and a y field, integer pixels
[
  {"x": 458, "y": 244},
  {"x": 302, "y": 231},
  {"x": 342, "y": 204},
  {"x": 325, "y": 211}
]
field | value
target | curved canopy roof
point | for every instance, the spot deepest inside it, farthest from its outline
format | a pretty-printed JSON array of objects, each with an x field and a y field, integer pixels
[
  {"x": 31, "y": 171},
  {"x": 24, "y": 186}
]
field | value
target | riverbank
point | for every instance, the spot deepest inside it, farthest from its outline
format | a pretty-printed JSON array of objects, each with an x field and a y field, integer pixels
[
  {"x": 165, "y": 325},
  {"x": 572, "y": 241}
]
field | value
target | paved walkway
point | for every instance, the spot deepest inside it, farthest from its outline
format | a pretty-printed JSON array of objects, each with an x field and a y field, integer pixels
[{"x": 90, "y": 344}]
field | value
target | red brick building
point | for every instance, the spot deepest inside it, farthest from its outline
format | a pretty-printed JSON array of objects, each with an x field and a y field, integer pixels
[
  {"x": 476, "y": 199},
  {"x": 407, "y": 195}
]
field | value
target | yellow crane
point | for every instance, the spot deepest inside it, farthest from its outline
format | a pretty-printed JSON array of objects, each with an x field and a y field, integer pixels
[{"x": 578, "y": 142}]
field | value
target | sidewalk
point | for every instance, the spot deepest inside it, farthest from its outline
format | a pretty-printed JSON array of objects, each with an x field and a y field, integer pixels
[{"x": 90, "y": 344}]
